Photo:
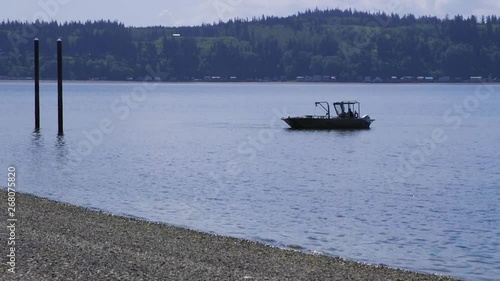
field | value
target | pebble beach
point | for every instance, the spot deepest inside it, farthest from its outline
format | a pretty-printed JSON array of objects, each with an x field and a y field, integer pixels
[{"x": 57, "y": 241}]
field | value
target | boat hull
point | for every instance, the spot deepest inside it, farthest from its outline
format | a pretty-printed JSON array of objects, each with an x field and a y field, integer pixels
[{"x": 305, "y": 123}]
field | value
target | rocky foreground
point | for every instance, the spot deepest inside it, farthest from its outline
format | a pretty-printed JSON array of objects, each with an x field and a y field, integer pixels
[{"x": 56, "y": 241}]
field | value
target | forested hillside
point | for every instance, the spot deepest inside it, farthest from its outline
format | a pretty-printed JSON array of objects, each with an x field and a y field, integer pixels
[{"x": 346, "y": 44}]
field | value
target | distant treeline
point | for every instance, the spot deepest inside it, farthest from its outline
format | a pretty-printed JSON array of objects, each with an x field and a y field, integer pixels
[{"x": 342, "y": 43}]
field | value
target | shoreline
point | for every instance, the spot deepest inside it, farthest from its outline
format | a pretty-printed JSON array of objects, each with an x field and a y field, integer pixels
[
  {"x": 60, "y": 241},
  {"x": 51, "y": 81}
]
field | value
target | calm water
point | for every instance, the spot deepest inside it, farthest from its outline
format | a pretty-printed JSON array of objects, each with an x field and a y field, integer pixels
[{"x": 420, "y": 190}]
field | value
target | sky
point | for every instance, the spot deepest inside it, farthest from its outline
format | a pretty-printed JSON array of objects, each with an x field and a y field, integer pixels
[{"x": 195, "y": 12}]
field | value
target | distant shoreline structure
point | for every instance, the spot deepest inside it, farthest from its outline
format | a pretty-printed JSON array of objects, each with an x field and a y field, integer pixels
[{"x": 299, "y": 79}]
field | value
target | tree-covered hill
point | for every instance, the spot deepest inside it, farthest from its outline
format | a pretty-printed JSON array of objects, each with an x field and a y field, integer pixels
[{"x": 346, "y": 44}]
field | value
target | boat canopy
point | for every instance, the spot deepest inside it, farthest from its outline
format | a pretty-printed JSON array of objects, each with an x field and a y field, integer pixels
[
  {"x": 347, "y": 109},
  {"x": 348, "y": 102}
]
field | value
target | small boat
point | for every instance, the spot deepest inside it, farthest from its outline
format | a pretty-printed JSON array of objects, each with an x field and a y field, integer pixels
[{"x": 348, "y": 117}]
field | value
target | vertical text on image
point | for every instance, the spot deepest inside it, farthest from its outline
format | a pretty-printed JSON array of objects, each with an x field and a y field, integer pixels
[{"x": 11, "y": 219}]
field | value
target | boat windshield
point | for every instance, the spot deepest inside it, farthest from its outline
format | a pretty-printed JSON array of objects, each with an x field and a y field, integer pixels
[
  {"x": 347, "y": 109},
  {"x": 339, "y": 107}
]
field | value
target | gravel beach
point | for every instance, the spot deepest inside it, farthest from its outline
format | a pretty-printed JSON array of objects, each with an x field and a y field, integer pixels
[{"x": 56, "y": 241}]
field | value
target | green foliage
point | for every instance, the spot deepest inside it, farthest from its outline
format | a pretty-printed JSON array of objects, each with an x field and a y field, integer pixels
[{"x": 346, "y": 44}]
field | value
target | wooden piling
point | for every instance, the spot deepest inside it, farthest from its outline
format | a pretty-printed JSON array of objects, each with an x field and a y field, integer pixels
[
  {"x": 37, "y": 84},
  {"x": 60, "y": 87}
]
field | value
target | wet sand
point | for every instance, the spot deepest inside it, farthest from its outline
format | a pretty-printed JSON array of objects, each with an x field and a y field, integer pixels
[{"x": 56, "y": 241}]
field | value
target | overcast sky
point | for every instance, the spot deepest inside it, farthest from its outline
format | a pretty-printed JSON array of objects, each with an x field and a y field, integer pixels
[{"x": 193, "y": 12}]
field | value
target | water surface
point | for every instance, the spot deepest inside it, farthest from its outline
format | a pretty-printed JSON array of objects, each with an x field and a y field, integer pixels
[{"x": 420, "y": 190}]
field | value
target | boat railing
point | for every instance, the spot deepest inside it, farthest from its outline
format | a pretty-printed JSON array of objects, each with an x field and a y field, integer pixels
[{"x": 316, "y": 116}]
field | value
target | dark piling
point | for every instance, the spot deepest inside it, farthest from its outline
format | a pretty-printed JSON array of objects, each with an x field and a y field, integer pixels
[
  {"x": 60, "y": 87},
  {"x": 37, "y": 84}
]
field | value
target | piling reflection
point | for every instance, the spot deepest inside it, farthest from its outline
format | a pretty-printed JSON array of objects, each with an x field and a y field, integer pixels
[
  {"x": 61, "y": 149},
  {"x": 61, "y": 158},
  {"x": 36, "y": 138}
]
